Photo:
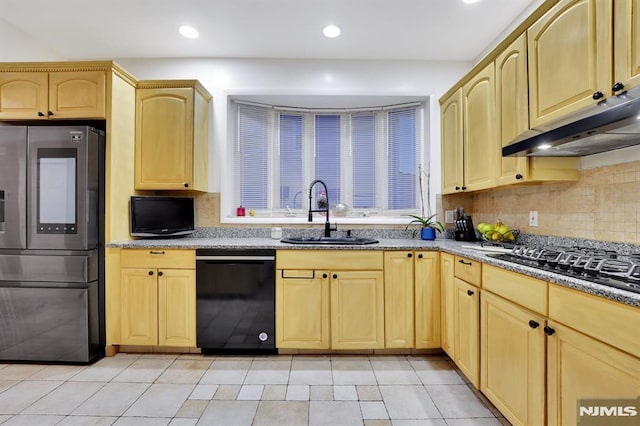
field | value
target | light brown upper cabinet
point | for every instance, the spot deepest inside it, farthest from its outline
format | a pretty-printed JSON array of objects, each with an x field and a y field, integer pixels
[
  {"x": 570, "y": 59},
  {"x": 469, "y": 144},
  {"x": 451, "y": 139},
  {"x": 171, "y": 135},
  {"x": 626, "y": 43},
  {"x": 480, "y": 142},
  {"x": 512, "y": 112},
  {"x": 41, "y": 95}
]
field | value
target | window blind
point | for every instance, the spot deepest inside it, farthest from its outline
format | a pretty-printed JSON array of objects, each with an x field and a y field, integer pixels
[
  {"x": 402, "y": 164},
  {"x": 363, "y": 161},
  {"x": 291, "y": 134},
  {"x": 327, "y": 155},
  {"x": 367, "y": 158},
  {"x": 252, "y": 157}
]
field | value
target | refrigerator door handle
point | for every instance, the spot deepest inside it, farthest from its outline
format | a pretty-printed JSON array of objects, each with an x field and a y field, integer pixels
[{"x": 1, "y": 210}]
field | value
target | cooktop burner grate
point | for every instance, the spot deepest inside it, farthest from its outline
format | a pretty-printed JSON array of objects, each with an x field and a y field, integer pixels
[{"x": 604, "y": 267}]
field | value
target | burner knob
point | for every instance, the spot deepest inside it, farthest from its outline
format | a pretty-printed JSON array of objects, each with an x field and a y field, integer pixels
[
  {"x": 534, "y": 324},
  {"x": 548, "y": 330}
]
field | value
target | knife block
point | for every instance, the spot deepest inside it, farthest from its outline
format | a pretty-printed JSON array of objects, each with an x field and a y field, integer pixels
[{"x": 465, "y": 230}]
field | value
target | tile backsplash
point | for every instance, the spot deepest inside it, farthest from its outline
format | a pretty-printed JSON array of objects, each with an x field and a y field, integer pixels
[{"x": 604, "y": 204}]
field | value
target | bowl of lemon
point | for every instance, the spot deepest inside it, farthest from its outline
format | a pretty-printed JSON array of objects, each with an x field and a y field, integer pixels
[{"x": 497, "y": 232}]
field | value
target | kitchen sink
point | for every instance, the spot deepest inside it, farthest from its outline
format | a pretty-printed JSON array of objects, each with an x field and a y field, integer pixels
[{"x": 329, "y": 240}]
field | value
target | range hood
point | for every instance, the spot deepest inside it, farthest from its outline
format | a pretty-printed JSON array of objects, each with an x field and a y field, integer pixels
[{"x": 610, "y": 124}]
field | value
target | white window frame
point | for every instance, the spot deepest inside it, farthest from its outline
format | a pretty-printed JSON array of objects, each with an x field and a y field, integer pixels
[{"x": 377, "y": 215}]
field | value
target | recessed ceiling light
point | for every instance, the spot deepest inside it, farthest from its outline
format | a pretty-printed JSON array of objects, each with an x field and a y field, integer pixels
[
  {"x": 470, "y": 1},
  {"x": 188, "y": 31},
  {"x": 331, "y": 31}
]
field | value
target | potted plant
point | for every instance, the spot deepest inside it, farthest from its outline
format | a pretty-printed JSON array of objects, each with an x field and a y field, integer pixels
[
  {"x": 428, "y": 222},
  {"x": 429, "y": 226}
]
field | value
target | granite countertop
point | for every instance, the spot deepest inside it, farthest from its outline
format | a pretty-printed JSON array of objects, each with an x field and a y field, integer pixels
[{"x": 440, "y": 244}]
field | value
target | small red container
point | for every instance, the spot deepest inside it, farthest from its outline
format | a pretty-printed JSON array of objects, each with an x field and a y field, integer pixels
[{"x": 240, "y": 211}]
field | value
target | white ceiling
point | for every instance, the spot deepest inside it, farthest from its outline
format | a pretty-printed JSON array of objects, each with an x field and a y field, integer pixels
[{"x": 371, "y": 29}]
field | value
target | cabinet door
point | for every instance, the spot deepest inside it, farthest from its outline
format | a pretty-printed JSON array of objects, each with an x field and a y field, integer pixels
[
  {"x": 569, "y": 58},
  {"x": 512, "y": 107},
  {"x": 398, "y": 299},
  {"x": 481, "y": 149},
  {"x": 177, "y": 307},
  {"x": 77, "y": 94},
  {"x": 357, "y": 310},
  {"x": 466, "y": 302},
  {"x": 627, "y": 42},
  {"x": 427, "y": 299},
  {"x": 23, "y": 95},
  {"x": 580, "y": 370},
  {"x": 164, "y": 138},
  {"x": 302, "y": 309},
  {"x": 451, "y": 140},
  {"x": 447, "y": 290},
  {"x": 513, "y": 352},
  {"x": 139, "y": 306}
]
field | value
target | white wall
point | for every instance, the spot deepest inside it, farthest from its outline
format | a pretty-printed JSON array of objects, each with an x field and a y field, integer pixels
[
  {"x": 16, "y": 46},
  {"x": 227, "y": 77}
]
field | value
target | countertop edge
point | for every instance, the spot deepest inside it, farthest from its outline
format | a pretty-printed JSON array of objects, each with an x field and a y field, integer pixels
[{"x": 445, "y": 245}]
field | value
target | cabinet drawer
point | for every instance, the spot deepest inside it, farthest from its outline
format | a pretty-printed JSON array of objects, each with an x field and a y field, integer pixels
[
  {"x": 611, "y": 322},
  {"x": 525, "y": 291},
  {"x": 158, "y": 258},
  {"x": 468, "y": 270},
  {"x": 356, "y": 260}
]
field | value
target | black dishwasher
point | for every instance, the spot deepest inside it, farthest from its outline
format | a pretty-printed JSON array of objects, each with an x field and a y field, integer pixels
[{"x": 235, "y": 301}]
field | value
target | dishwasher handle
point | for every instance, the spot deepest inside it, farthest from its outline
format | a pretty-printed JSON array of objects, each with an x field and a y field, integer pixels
[{"x": 236, "y": 258}]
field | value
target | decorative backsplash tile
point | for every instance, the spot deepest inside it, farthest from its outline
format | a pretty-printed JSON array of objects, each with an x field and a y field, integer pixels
[{"x": 604, "y": 204}]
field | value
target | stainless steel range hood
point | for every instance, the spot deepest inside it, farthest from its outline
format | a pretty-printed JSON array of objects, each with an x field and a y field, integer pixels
[{"x": 611, "y": 124}]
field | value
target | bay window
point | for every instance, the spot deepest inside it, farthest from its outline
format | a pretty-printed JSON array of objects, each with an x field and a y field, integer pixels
[{"x": 369, "y": 159}]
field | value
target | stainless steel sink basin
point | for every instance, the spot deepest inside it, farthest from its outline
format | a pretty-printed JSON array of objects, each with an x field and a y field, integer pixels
[{"x": 329, "y": 240}]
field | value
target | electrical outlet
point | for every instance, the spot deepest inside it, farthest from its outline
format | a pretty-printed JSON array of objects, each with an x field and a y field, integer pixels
[
  {"x": 533, "y": 218},
  {"x": 448, "y": 216}
]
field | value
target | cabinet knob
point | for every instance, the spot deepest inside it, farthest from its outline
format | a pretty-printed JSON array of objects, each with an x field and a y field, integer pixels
[
  {"x": 409, "y": 255},
  {"x": 49, "y": 113},
  {"x": 548, "y": 330},
  {"x": 534, "y": 324},
  {"x": 40, "y": 114},
  {"x": 186, "y": 185},
  {"x": 470, "y": 292},
  {"x": 324, "y": 275},
  {"x": 618, "y": 86},
  {"x": 150, "y": 272},
  {"x": 519, "y": 176},
  {"x": 464, "y": 188},
  {"x": 420, "y": 256},
  {"x": 335, "y": 275},
  {"x": 597, "y": 95},
  {"x": 458, "y": 188},
  {"x": 160, "y": 273}
]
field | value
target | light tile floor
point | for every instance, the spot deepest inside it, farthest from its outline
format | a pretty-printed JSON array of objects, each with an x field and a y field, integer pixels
[{"x": 152, "y": 389}]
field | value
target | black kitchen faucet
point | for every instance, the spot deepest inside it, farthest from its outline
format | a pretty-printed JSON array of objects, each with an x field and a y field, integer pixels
[{"x": 327, "y": 225}]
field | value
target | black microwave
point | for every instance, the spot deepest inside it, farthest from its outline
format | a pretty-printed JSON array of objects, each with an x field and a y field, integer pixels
[{"x": 155, "y": 216}]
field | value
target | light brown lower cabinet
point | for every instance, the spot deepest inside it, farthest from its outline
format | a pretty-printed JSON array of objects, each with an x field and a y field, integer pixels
[
  {"x": 512, "y": 350},
  {"x": 329, "y": 299},
  {"x": 158, "y": 298},
  {"x": 447, "y": 289},
  {"x": 466, "y": 305}
]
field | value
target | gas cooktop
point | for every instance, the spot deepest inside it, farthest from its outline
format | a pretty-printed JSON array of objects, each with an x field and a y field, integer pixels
[{"x": 604, "y": 267}]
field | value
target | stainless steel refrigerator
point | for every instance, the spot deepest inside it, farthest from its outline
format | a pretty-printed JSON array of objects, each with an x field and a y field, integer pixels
[{"x": 51, "y": 243}]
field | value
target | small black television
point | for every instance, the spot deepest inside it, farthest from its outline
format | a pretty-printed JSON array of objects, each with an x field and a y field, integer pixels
[{"x": 155, "y": 216}]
